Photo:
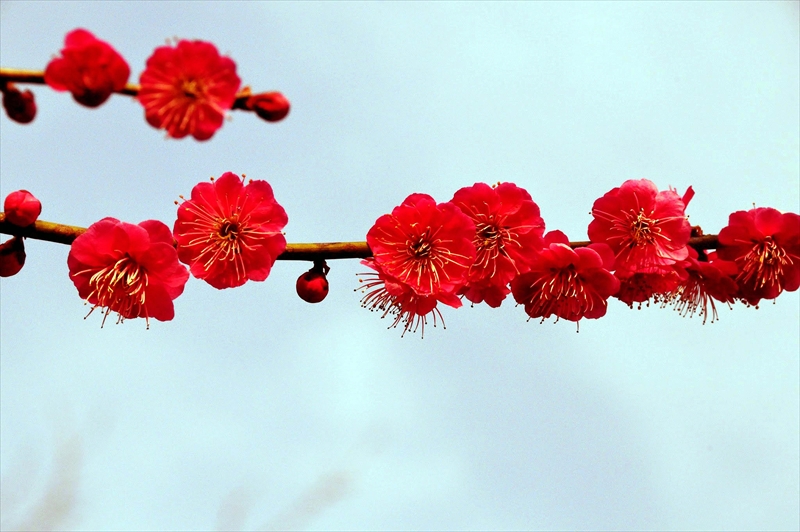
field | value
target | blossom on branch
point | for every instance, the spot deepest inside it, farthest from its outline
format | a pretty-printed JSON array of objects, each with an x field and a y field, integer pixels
[
  {"x": 647, "y": 229},
  {"x": 132, "y": 270},
  {"x": 643, "y": 287},
  {"x": 707, "y": 279},
  {"x": 765, "y": 245},
  {"x": 507, "y": 239},
  {"x": 228, "y": 232},
  {"x": 386, "y": 295},
  {"x": 422, "y": 253},
  {"x": 424, "y": 245},
  {"x": 89, "y": 68},
  {"x": 187, "y": 89},
  {"x": 567, "y": 283}
]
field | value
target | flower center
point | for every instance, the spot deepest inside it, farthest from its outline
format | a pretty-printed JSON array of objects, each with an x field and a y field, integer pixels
[
  {"x": 229, "y": 230},
  {"x": 421, "y": 249},
  {"x": 643, "y": 229},
  {"x": 191, "y": 88},
  {"x": 763, "y": 264},
  {"x": 121, "y": 288}
]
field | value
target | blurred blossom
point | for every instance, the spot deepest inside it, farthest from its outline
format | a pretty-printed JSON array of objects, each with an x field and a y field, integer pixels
[
  {"x": 186, "y": 89},
  {"x": 89, "y": 68}
]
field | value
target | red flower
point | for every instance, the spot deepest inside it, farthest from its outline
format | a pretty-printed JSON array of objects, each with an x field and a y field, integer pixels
[
  {"x": 187, "y": 89},
  {"x": 647, "y": 229},
  {"x": 425, "y": 246},
  {"x": 642, "y": 287},
  {"x": 385, "y": 294},
  {"x": 229, "y": 233},
  {"x": 132, "y": 270},
  {"x": 706, "y": 280},
  {"x": 22, "y": 208},
  {"x": 565, "y": 282},
  {"x": 765, "y": 244},
  {"x": 90, "y": 69},
  {"x": 508, "y": 237}
]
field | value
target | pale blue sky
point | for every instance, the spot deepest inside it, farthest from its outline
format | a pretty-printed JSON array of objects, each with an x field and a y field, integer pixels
[{"x": 251, "y": 405}]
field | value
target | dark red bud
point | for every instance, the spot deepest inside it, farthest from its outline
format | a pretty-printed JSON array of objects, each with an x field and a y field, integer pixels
[
  {"x": 312, "y": 286},
  {"x": 12, "y": 256},
  {"x": 22, "y": 208},
  {"x": 20, "y": 106},
  {"x": 270, "y": 106}
]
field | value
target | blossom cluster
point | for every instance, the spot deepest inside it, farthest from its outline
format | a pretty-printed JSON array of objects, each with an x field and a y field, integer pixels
[
  {"x": 486, "y": 243},
  {"x": 186, "y": 89},
  {"x": 490, "y": 241}
]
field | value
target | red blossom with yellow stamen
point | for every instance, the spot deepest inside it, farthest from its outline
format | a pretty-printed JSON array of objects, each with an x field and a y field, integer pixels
[
  {"x": 187, "y": 89},
  {"x": 765, "y": 245},
  {"x": 707, "y": 279},
  {"x": 386, "y": 295},
  {"x": 567, "y": 283},
  {"x": 647, "y": 229},
  {"x": 424, "y": 245},
  {"x": 229, "y": 232},
  {"x": 508, "y": 237},
  {"x": 89, "y": 68},
  {"x": 642, "y": 287},
  {"x": 132, "y": 270}
]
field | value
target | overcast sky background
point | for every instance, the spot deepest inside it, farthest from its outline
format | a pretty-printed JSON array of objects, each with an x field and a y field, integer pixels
[{"x": 253, "y": 409}]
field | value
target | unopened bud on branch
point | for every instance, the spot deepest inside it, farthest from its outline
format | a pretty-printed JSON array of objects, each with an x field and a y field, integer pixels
[
  {"x": 269, "y": 106},
  {"x": 22, "y": 208},
  {"x": 20, "y": 105}
]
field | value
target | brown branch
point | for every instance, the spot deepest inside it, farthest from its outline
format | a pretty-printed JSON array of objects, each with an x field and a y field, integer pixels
[
  {"x": 66, "y": 234},
  {"x": 18, "y": 75}
]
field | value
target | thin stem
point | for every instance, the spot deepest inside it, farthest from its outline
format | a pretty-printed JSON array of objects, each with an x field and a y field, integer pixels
[
  {"x": 18, "y": 75},
  {"x": 316, "y": 251}
]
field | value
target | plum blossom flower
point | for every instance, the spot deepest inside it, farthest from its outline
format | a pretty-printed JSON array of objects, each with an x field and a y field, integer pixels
[
  {"x": 422, "y": 253},
  {"x": 132, "y": 270},
  {"x": 22, "y": 208},
  {"x": 643, "y": 287},
  {"x": 386, "y": 295},
  {"x": 765, "y": 245},
  {"x": 508, "y": 237},
  {"x": 565, "y": 282},
  {"x": 229, "y": 233},
  {"x": 706, "y": 280},
  {"x": 89, "y": 68},
  {"x": 647, "y": 229},
  {"x": 186, "y": 89},
  {"x": 424, "y": 245}
]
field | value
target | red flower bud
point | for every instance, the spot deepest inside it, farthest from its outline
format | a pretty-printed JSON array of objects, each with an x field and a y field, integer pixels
[
  {"x": 312, "y": 286},
  {"x": 12, "y": 256},
  {"x": 270, "y": 106},
  {"x": 20, "y": 106},
  {"x": 22, "y": 208}
]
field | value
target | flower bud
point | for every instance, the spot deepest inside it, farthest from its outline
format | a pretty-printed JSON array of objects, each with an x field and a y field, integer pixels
[
  {"x": 20, "y": 106},
  {"x": 22, "y": 208},
  {"x": 270, "y": 106},
  {"x": 312, "y": 286},
  {"x": 12, "y": 256}
]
